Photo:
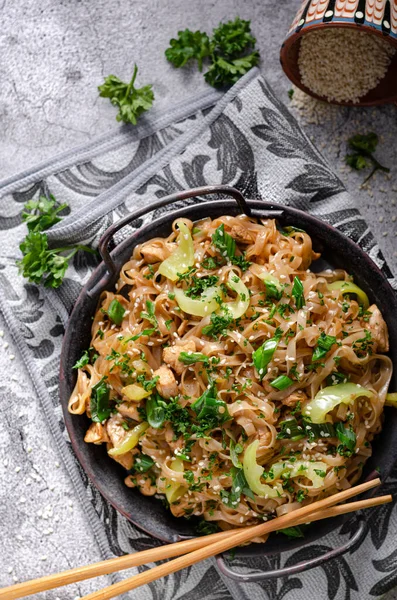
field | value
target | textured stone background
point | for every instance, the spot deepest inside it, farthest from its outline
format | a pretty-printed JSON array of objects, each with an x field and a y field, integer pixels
[{"x": 53, "y": 54}]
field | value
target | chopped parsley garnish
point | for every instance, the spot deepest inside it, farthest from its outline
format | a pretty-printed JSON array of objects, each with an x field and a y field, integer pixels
[
  {"x": 190, "y": 358},
  {"x": 147, "y": 384},
  {"x": 210, "y": 263},
  {"x": 197, "y": 285},
  {"x": 83, "y": 361},
  {"x": 227, "y": 247},
  {"x": 218, "y": 326},
  {"x": 272, "y": 290}
]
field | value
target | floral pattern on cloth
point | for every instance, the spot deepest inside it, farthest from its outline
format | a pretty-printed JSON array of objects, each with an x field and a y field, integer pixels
[{"x": 254, "y": 144}]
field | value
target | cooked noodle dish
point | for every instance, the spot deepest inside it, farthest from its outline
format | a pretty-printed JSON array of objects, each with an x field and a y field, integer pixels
[{"x": 229, "y": 379}]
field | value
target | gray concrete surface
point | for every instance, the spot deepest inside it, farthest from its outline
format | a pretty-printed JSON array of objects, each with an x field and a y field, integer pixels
[{"x": 53, "y": 54}]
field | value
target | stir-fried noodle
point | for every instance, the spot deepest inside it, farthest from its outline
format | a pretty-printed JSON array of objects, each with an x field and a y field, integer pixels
[{"x": 226, "y": 375}]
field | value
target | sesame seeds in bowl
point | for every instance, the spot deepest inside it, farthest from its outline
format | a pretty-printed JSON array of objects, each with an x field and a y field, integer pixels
[{"x": 343, "y": 64}]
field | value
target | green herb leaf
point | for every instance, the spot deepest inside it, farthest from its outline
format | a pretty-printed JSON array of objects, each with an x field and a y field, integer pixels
[
  {"x": 291, "y": 93},
  {"x": 264, "y": 354},
  {"x": 293, "y": 532},
  {"x": 138, "y": 335},
  {"x": 226, "y": 245},
  {"x": 291, "y": 430},
  {"x": 116, "y": 311},
  {"x": 199, "y": 284},
  {"x": 148, "y": 384},
  {"x": 42, "y": 265},
  {"x": 143, "y": 463},
  {"x": 336, "y": 377},
  {"x": 218, "y": 326},
  {"x": 209, "y": 409},
  {"x": 364, "y": 145},
  {"x": 347, "y": 437},
  {"x": 207, "y": 527},
  {"x": 83, "y": 361},
  {"x": 281, "y": 382},
  {"x": 239, "y": 486},
  {"x": 190, "y": 358},
  {"x": 297, "y": 292},
  {"x": 189, "y": 45},
  {"x": 99, "y": 402},
  {"x": 233, "y": 37},
  {"x": 42, "y": 214},
  {"x": 357, "y": 161},
  {"x": 224, "y": 242},
  {"x": 150, "y": 314},
  {"x": 324, "y": 344},
  {"x": 367, "y": 142},
  {"x": 132, "y": 102},
  {"x": 235, "y": 450},
  {"x": 155, "y": 411},
  {"x": 225, "y": 72}
]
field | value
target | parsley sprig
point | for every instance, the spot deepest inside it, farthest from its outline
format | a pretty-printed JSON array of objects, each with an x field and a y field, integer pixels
[
  {"x": 130, "y": 100},
  {"x": 363, "y": 146},
  {"x": 230, "y": 51},
  {"x": 39, "y": 263}
]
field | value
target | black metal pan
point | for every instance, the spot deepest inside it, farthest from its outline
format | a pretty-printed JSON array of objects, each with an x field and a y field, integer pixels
[{"x": 337, "y": 252}]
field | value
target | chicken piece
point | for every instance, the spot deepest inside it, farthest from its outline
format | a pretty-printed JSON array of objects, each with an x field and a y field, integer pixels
[
  {"x": 294, "y": 398},
  {"x": 171, "y": 355},
  {"x": 96, "y": 434},
  {"x": 166, "y": 386},
  {"x": 125, "y": 460},
  {"x": 378, "y": 329},
  {"x": 241, "y": 234},
  {"x": 153, "y": 254},
  {"x": 115, "y": 430},
  {"x": 129, "y": 410},
  {"x": 117, "y": 435}
]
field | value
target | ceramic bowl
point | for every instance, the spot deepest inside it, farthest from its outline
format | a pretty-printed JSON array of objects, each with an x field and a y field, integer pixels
[{"x": 376, "y": 17}]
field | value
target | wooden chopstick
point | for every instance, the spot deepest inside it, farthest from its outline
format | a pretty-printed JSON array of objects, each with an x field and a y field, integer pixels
[
  {"x": 239, "y": 537},
  {"x": 171, "y": 550}
]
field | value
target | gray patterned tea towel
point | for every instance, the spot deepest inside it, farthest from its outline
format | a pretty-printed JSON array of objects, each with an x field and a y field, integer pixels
[{"x": 245, "y": 138}]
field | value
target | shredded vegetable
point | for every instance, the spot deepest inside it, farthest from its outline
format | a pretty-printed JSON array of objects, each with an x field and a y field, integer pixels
[
  {"x": 130, "y": 441},
  {"x": 253, "y": 473},
  {"x": 175, "y": 490},
  {"x": 202, "y": 307},
  {"x": 348, "y": 287},
  {"x": 329, "y": 397},
  {"x": 182, "y": 258},
  {"x": 315, "y": 471},
  {"x": 135, "y": 392},
  {"x": 391, "y": 399},
  {"x": 238, "y": 307}
]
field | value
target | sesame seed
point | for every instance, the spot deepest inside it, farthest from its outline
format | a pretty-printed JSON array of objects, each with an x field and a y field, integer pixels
[{"x": 350, "y": 63}]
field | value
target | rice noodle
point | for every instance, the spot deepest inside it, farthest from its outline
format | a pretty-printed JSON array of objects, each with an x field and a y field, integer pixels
[{"x": 255, "y": 407}]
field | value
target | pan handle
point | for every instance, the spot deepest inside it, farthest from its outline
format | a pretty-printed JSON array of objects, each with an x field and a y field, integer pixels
[
  {"x": 200, "y": 191},
  {"x": 298, "y": 568}
]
